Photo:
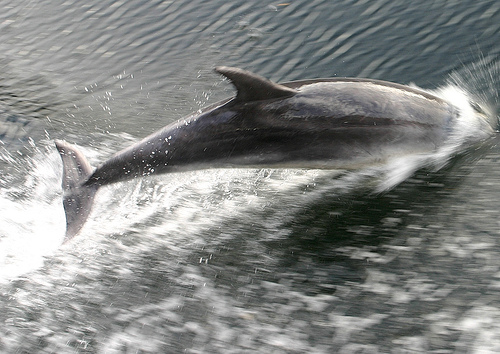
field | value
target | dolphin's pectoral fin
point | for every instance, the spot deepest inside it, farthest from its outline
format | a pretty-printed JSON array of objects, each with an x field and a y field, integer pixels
[
  {"x": 78, "y": 197},
  {"x": 252, "y": 87}
]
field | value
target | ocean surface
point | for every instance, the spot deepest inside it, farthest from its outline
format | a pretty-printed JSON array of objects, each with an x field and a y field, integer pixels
[{"x": 243, "y": 260}]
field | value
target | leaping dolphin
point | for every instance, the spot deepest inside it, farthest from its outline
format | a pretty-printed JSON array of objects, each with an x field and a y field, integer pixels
[{"x": 339, "y": 123}]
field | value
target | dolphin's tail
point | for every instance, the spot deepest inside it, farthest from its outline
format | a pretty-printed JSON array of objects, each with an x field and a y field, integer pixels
[{"x": 78, "y": 197}]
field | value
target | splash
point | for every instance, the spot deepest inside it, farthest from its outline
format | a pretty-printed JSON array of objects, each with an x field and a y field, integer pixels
[
  {"x": 473, "y": 89},
  {"x": 480, "y": 80},
  {"x": 32, "y": 223}
]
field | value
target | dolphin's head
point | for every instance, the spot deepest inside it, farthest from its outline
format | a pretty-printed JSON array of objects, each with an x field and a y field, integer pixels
[{"x": 486, "y": 113}]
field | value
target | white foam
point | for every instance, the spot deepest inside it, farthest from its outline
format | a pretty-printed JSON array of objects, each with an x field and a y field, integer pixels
[{"x": 32, "y": 223}]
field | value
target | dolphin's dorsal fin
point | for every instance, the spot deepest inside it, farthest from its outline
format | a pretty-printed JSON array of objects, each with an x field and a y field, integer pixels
[{"x": 252, "y": 87}]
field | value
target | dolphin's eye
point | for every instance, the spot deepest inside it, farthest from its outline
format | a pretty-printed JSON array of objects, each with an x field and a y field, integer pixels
[{"x": 477, "y": 107}]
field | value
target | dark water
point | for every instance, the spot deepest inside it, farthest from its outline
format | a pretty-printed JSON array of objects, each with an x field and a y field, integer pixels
[{"x": 277, "y": 261}]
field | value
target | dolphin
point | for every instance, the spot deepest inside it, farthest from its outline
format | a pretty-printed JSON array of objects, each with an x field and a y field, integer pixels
[{"x": 339, "y": 123}]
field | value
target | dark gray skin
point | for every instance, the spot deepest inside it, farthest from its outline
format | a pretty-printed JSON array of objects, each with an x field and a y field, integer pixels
[{"x": 329, "y": 124}]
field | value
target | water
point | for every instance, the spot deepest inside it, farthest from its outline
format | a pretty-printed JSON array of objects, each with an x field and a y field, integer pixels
[{"x": 282, "y": 261}]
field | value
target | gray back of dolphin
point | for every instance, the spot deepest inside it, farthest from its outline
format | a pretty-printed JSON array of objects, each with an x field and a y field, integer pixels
[{"x": 325, "y": 123}]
